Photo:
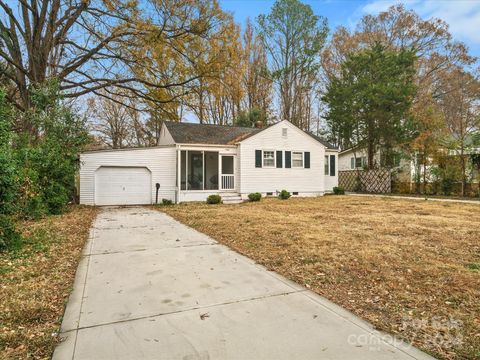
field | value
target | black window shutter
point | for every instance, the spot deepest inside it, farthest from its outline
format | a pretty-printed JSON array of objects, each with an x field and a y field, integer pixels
[
  {"x": 258, "y": 158},
  {"x": 279, "y": 159},
  {"x": 307, "y": 159},
  {"x": 332, "y": 165},
  {"x": 288, "y": 159}
]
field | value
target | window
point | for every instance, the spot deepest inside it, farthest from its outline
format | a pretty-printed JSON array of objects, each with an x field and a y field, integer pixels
[
  {"x": 269, "y": 159},
  {"x": 297, "y": 159},
  {"x": 358, "y": 163},
  {"x": 332, "y": 165},
  {"x": 284, "y": 132},
  {"x": 330, "y": 162}
]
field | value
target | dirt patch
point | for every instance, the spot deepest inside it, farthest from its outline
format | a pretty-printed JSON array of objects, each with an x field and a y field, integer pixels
[
  {"x": 404, "y": 265},
  {"x": 36, "y": 280}
]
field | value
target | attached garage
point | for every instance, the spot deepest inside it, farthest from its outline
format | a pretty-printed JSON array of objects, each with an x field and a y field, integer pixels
[
  {"x": 128, "y": 176},
  {"x": 123, "y": 186}
]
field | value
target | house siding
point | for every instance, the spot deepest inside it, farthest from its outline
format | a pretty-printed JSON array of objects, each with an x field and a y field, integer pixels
[
  {"x": 160, "y": 161},
  {"x": 344, "y": 159},
  {"x": 307, "y": 182}
]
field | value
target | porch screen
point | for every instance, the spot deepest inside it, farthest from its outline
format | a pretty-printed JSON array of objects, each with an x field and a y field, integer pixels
[
  {"x": 211, "y": 170},
  {"x": 199, "y": 170}
]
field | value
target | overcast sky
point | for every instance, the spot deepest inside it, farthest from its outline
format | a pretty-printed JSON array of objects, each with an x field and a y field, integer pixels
[{"x": 463, "y": 16}]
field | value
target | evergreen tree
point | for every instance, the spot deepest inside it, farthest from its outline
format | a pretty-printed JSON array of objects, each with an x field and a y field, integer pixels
[{"x": 369, "y": 101}]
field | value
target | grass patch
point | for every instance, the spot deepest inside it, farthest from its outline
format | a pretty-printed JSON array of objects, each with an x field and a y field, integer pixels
[
  {"x": 473, "y": 266},
  {"x": 36, "y": 280},
  {"x": 397, "y": 263}
]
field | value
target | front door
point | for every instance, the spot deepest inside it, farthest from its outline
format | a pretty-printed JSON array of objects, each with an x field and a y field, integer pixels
[{"x": 227, "y": 166}]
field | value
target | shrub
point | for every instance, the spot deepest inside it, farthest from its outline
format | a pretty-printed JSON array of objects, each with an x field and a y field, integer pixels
[
  {"x": 214, "y": 199},
  {"x": 338, "y": 190},
  {"x": 10, "y": 239},
  {"x": 34, "y": 208},
  {"x": 256, "y": 196},
  {"x": 447, "y": 186},
  {"x": 167, "y": 202},
  {"x": 8, "y": 168},
  {"x": 284, "y": 195}
]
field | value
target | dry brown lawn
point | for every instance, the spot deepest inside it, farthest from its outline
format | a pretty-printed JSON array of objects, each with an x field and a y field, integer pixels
[
  {"x": 35, "y": 282},
  {"x": 410, "y": 267}
]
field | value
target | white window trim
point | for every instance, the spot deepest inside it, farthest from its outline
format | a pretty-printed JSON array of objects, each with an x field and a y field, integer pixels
[
  {"x": 326, "y": 165},
  {"x": 363, "y": 160},
  {"x": 303, "y": 160},
  {"x": 274, "y": 159}
]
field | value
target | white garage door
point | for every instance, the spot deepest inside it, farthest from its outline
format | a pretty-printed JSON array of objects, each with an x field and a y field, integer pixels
[{"x": 123, "y": 186}]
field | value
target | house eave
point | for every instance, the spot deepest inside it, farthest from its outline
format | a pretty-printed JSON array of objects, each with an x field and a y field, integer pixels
[
  {"x": 184, "y": 145},
  {"x": 128, "y": 149}
]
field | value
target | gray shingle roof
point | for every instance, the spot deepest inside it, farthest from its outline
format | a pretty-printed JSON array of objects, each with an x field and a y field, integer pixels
[
  {"x": 323, "y": 142},
  {"x": 189, "y": 133}
]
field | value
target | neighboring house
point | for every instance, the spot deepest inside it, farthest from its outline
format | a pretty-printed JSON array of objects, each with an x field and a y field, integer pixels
[
  {"x": 194, "y": 161},
  {"x": 407, "y": 170},
  {"x": 357, "y": 158},
  {"x": 354, "y": 158}
]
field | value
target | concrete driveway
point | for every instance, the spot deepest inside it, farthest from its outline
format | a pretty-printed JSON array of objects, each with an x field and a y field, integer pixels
[{"x": 149, "y": 287}]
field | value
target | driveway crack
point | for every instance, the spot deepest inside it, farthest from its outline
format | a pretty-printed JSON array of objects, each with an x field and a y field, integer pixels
[{"x": 193, "y": 308}]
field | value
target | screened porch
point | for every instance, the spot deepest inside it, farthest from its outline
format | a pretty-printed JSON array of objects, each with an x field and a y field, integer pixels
[{"x": 202, "y": 170}]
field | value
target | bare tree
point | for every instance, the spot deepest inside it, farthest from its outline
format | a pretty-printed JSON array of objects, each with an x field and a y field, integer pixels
[
  {"x": 460, "y": 105},
  {"x": 102, "y": 47},
  {"x": 293, "y": 37},
  {"x": 257, "y": 84},
  {"x": 111, "y": 122},
  {"x": 73, "y": 41}
]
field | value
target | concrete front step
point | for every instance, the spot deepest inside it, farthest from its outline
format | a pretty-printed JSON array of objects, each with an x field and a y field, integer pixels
[
  {"x": 231, "y": 198},
  {"x": 230, "y": 201},
  {"x": 229, "y": 194}
]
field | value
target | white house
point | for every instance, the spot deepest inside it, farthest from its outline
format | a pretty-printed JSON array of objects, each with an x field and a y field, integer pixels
[
  {"x": 357, "y": 158},
  {"x": 194, "y": 161}
]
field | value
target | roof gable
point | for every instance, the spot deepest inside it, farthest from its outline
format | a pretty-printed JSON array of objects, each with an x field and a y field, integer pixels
[{"x": 312, "y": 136}]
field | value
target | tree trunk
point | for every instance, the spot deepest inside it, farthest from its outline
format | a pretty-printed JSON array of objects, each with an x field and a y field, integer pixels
[
  {"x": 424, "y": 174},
  {"x": 464, "y": 176}
]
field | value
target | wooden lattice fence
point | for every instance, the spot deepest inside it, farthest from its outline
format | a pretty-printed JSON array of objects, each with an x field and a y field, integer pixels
[{"x": 368, "y": 181}]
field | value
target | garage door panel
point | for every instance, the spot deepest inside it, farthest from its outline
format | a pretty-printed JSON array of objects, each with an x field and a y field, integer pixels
[{"x": 123, "y": 186}]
